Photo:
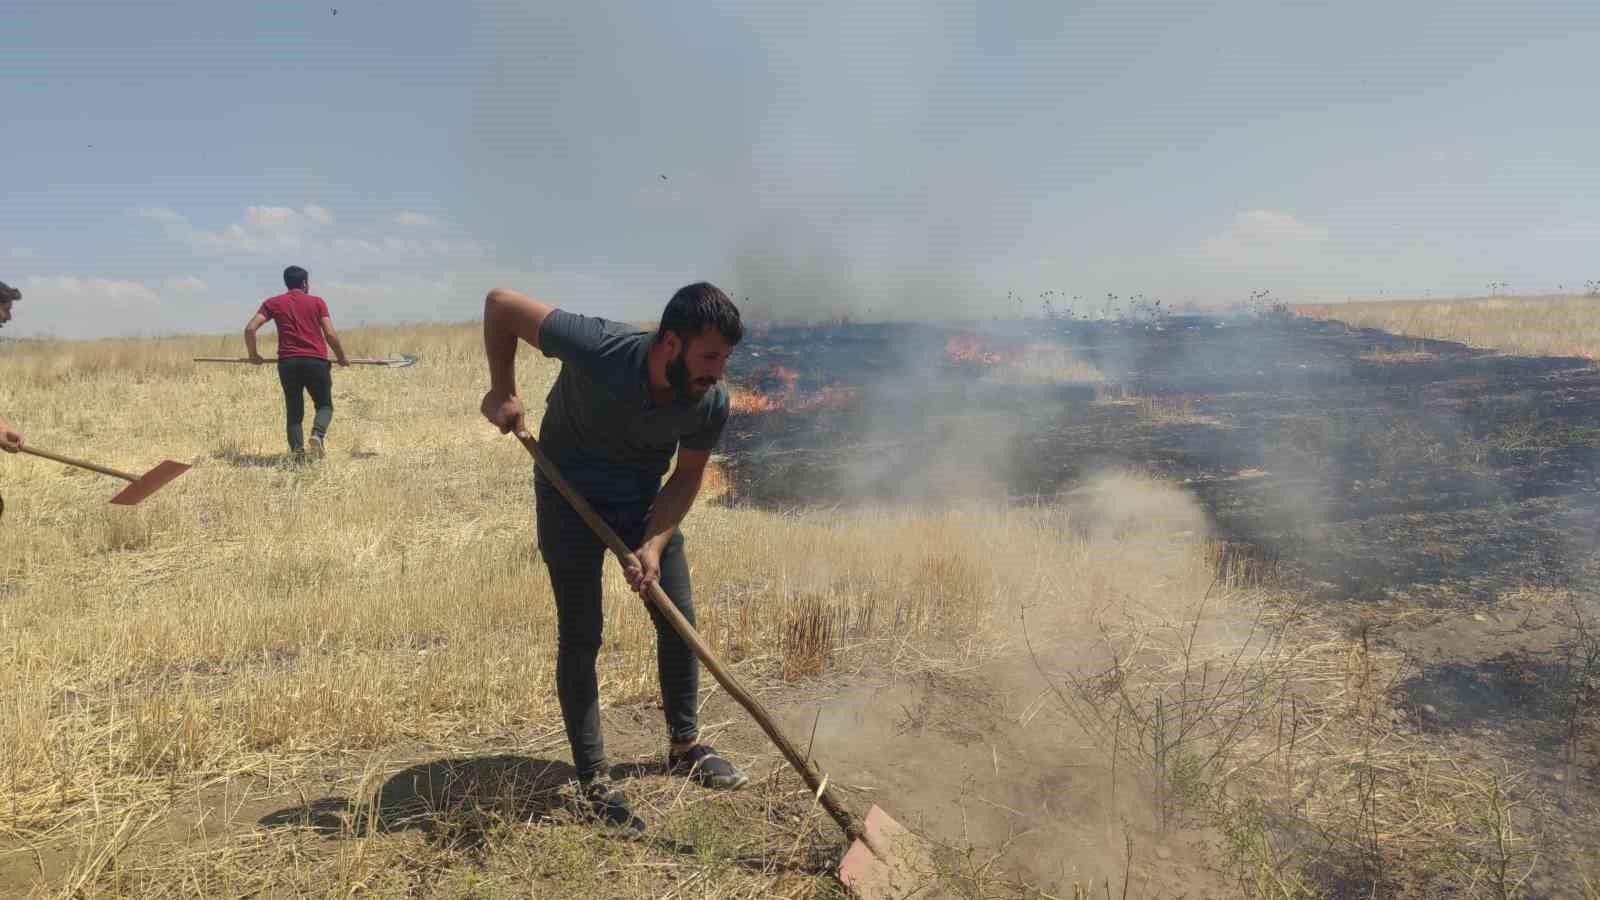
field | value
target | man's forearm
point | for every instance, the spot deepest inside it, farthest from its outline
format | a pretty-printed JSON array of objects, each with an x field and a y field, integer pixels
[
  {"x": 499, "y": 345},
  {"x": 672, "y": 505},
  {"x": 250, "y": 342},
  {"x": 338, "y": 347},
  {"x": 507, "y": 316}
]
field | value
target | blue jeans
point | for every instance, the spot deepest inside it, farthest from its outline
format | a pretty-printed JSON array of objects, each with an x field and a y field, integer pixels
[{"x": 574, "y": 556}]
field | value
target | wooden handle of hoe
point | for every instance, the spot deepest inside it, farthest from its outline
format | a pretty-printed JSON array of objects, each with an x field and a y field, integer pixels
[
  {"x": 272, "y": 359},
  {"x": 78, "y": 462},
  {"x": 851, "y": 827}
]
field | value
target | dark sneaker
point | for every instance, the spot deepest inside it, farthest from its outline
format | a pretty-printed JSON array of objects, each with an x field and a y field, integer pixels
[
  {"x": 599, "y": 804},
  {"x": 701, "y": 763},
  {"x": 314, "y": 447}
]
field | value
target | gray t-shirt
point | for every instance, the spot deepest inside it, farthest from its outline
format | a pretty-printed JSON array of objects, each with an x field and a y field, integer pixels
[{"x": 600, "y": 427}]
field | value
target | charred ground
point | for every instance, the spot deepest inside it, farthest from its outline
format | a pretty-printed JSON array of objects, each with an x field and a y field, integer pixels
[
  {"x": 1440, "y": 501},
  {"x": 1372, "y": 466}
]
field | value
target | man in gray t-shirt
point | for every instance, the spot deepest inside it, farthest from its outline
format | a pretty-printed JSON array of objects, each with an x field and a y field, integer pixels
[
  {"x": 601, "y": 427},
  {"x": 624, "y": 404}
]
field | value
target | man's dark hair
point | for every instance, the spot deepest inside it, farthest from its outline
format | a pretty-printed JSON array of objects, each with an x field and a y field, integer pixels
[
  {"x": 295, "y": 277},
  {"x": 697, "y": 306},
  {"x": 9, "y": 293}
]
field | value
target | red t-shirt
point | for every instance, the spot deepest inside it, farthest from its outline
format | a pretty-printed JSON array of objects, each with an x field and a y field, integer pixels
[{"x": 299, "y": 318}]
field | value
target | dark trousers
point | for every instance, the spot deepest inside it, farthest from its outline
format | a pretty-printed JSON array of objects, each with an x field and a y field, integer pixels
[
  {"x": 300, "y": 375},
  {"x": 574, "y": 555}
]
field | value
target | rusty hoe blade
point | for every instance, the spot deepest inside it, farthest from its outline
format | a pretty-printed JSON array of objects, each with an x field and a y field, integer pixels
[
  {"x": 139, "y": 487},
  {"x": 150, "y": 482},
  {"x": 888, "y": 862}
]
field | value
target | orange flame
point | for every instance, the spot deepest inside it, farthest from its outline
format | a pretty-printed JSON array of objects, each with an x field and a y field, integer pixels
[
  {"x": 969, "y": 349},
  {"x": 775, "y": 390},
  {"x": 744, "y": 402},
  {"x": 715, "y": 482}
]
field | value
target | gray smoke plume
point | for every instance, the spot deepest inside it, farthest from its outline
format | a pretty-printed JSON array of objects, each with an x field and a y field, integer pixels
[{"x": 815, "y": 160}]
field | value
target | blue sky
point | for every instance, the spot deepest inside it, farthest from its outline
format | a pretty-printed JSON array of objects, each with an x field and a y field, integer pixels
[{"x": 895, "y": 158}]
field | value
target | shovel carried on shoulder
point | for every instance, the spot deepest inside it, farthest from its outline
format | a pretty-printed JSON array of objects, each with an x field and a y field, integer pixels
[
  {"x": 885, "y": 861},
  {"x": 398, "y": 362}
]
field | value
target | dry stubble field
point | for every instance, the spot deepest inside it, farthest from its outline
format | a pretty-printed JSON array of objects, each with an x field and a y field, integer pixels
[
  {"x": 180, "y": 682},
  {"x": 1561, "y": 325},
  {"x": 282, "y": 680}
]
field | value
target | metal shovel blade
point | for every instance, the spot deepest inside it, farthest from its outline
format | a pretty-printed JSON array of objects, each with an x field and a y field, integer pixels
[
  {"x": 398, "y": 361},
  {"x": 150, "y": 482},
  {"x": 903, "y": 871}
]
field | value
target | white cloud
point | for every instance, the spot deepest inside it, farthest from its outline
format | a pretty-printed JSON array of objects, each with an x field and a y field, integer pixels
[
  {"x": 1263, "y": 236},
  {"x": 80, "y": 307},
  {"x": 405, "y": 248},
  {"x": 186, "y": 284},
  {"x": 1582, "y": 232},
  {"x": 106, "y": 293},
  {"x": 457, "y": 295},
  {"x": 450, "y": 249},
  {"x": 415, "y": 220},
  {"x": 165, "y": 215},
  {"x": 309, "y": 232},
  {"x": 265, "y": 230},
  {"x": 420, "y": 289},
  {"x": 1267, "y": 225}
]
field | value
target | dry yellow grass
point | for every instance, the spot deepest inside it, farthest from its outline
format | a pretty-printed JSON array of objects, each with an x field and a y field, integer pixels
[
  {"x": 265, "y": 633},
  {"x": 1558, "y": 325},
  {"x": 257, "y": 622}
]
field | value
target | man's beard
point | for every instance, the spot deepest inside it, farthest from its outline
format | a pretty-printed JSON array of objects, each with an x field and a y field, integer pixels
[{"x": 678, "y": 378}]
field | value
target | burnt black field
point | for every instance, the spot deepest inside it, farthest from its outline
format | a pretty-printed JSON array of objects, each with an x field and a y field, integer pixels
[{"x": 1373, "y": 466}]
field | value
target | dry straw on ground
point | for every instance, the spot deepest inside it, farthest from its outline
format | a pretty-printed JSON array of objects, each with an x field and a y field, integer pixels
[
  {"x": 259, "y": 625},
  {"x": 260, "y": 635},
  {"x": 1557, "y": 325}
]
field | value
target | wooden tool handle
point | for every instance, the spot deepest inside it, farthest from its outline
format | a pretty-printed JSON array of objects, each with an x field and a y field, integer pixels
[
  {"x": 78, "y": 462},
  {"x": 808, "y": 771},
  {"x": 245, "y": 359}
]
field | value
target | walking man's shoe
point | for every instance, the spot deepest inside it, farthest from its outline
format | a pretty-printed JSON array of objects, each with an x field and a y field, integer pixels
[
  {"x": 701, "y": 763},
  {"x": 605, "y": 807}
]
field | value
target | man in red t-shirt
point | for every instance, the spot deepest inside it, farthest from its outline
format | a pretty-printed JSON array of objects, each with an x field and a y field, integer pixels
[{"x": 305, "y": 332}]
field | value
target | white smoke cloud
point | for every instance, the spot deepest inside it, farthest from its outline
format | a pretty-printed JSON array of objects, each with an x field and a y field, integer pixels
[
  {"x": 187, "y": 285},
  {"x": 416, "y": 220}
]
